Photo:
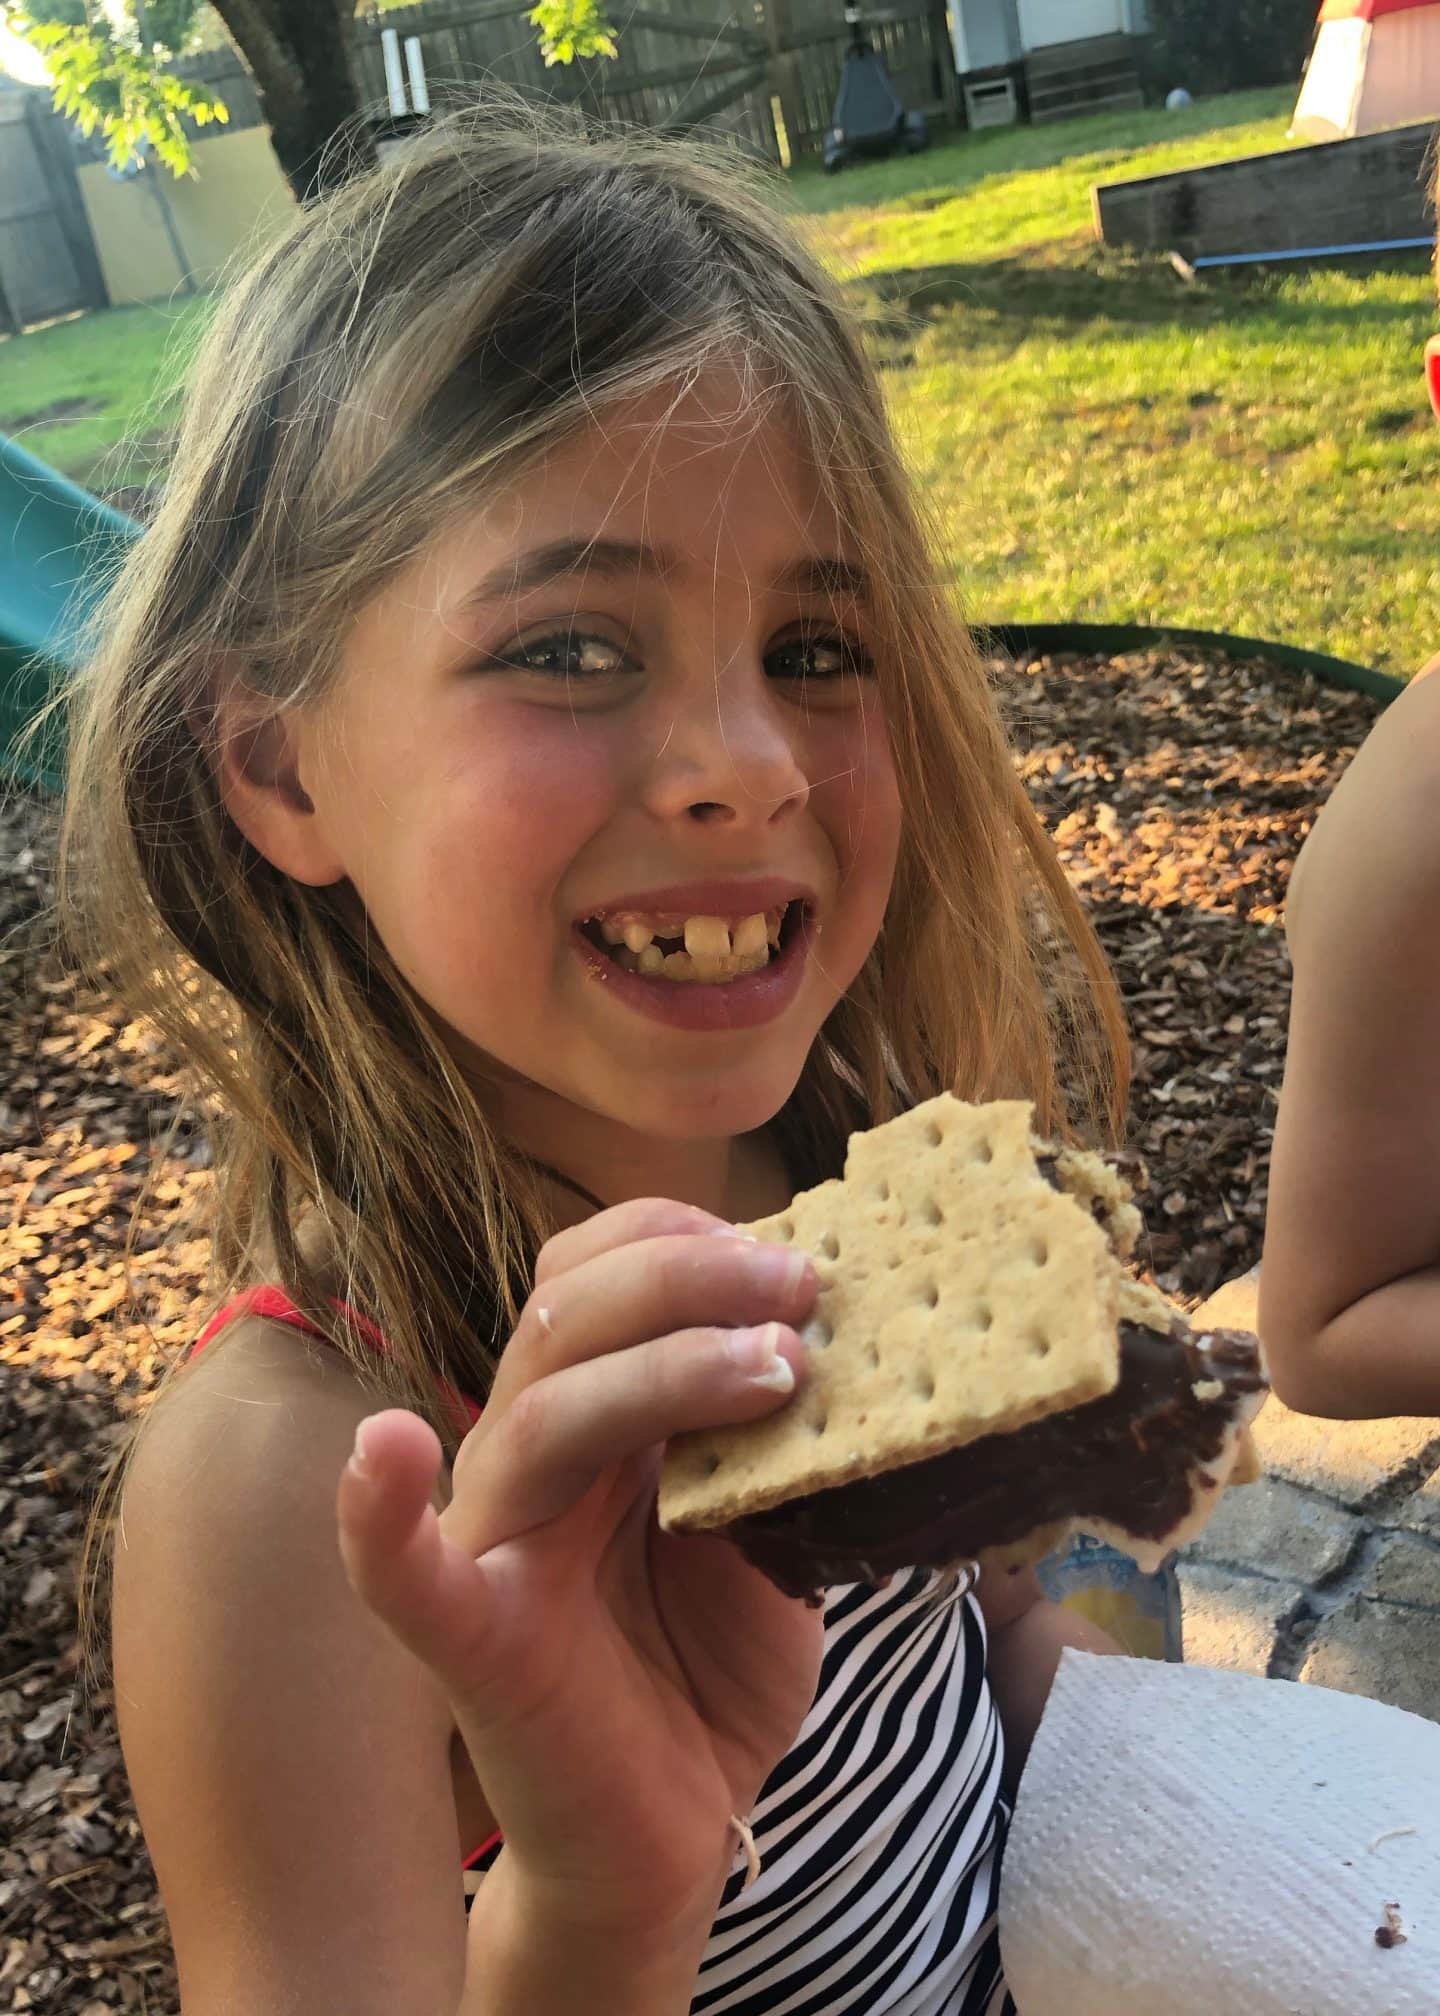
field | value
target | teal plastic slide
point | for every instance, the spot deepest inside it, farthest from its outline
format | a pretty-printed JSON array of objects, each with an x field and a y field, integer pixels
[{"x": 58, "y": 548}]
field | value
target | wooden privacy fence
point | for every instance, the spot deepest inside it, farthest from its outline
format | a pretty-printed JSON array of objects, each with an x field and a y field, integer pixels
[
  {"x": 47, "y": 256},
  {"x": 681, "y": 63}
]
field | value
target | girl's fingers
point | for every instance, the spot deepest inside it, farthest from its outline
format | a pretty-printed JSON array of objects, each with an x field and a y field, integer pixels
[
  {"x": 624, "y": 1225},
  {"x": 630, "y": 1293},
  {"x": 430, "y": 1592},
  {"x": 558, "y": 1435}
]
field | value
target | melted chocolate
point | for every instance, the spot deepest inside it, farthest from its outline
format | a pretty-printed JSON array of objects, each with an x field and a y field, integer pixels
[{"x": 1129, "y": 1458}]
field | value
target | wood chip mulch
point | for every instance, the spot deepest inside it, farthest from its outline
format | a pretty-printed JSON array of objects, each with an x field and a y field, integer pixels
[{"x": 1178, "y": 790}]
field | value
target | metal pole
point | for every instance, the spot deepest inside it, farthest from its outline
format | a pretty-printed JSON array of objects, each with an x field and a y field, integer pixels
[
  {"x": 394, "y": 75},
  {"x": 415, "y": 64}
]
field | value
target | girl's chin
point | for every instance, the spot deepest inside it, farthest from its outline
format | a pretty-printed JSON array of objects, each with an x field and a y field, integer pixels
[
  {"x": 698, "y": 1104},
  {"x": 703, "y": 1107}
]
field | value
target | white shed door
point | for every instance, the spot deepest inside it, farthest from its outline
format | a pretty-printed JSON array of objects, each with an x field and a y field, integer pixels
[{"x": 1043, "y": 22}]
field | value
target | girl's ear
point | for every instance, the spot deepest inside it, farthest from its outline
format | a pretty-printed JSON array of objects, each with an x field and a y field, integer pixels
[
  {"x": 1432, "y": 372},
  {"x": 258, "y": 753}
]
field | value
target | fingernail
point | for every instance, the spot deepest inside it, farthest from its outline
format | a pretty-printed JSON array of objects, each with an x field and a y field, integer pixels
[
  {"x": 778, "y": 1268},
  {"x": 733, "y": 1232},
  {"x": 359, "y": 1456},
  {"x": 756, "y": 1353}
]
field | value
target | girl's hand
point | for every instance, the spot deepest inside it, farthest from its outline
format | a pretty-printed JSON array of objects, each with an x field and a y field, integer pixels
[{"x": 622, "y": 1691}]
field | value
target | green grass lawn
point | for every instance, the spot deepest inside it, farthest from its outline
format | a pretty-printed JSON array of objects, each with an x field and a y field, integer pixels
[
  {"x": 1099, "y": 441},
  {"x": 95, "y": 396},
  {"x": 1096, "y": 439}
]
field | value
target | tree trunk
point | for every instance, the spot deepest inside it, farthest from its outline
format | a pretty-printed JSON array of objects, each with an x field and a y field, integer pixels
[{"x": 300, "y": 55}]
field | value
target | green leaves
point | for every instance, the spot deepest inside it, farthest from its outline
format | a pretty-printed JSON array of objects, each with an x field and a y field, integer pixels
[
  {"x": 115, "y": 86},
  {"x": 571, "y": 28}
]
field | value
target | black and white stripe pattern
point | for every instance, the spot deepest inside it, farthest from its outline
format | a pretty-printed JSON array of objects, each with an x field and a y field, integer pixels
[{"x": 879, "y": 1832}]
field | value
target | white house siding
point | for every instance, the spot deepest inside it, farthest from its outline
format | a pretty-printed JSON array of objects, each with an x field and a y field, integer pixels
[
  {"x": 1046, "y": 22},
  {"x": 987, "y": 34}
]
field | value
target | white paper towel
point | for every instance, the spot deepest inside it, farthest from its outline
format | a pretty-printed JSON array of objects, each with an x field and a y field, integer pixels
[{"x": 1190, "y": 1842}]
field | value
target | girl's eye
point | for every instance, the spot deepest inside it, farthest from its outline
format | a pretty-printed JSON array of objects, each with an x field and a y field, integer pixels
[
  {"x": 822, "y": 656},
  {"x": 565, "y": 654}
]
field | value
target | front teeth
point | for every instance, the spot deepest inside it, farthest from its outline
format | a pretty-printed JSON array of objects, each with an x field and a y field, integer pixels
[
  {"x": 708, "y": 938},
  {"x": 712, "y": 950}
]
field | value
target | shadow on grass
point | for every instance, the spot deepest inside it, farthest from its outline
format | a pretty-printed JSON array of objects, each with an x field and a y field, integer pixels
[{"x": 1100, "y": 286}]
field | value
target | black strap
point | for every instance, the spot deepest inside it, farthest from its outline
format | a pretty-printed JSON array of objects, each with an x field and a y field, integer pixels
[{"x": 567, "y": 1183}]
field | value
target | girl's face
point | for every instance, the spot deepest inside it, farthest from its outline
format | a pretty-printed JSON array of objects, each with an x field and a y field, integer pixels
[{"x": 609, "y": 771}]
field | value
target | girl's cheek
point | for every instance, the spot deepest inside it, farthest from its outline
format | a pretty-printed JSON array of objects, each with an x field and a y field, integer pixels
[
  {"x": 535, "y": 780},
  {"x": 856, "y": 777}
]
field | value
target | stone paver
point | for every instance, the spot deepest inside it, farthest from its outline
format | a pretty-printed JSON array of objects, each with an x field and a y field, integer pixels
[
  {"x": 1352, "y": 1461},
  {"x": 1232, "y": 1620},
  {"x": 1273, "y": 1529},
  {"x": 1405, "y": 1571},
  {"x": 1328, "y": 1569},
  {"x": 1375, "y": 1649},
  {"x": 1422, "y": 1509}
]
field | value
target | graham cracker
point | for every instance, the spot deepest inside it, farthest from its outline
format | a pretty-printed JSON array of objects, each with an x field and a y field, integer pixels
[{"x": 961, "y": 1295}]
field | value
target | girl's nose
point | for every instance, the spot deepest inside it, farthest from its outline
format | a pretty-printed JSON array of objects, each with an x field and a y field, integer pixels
[{"x": 732, "y": 759}]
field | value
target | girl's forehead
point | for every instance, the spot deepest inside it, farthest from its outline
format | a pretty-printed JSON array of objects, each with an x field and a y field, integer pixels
[{"x": 706, "y": 475}]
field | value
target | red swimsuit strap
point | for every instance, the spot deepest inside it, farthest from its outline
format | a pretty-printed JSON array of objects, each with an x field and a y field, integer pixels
[{"x": 275, "y": 1306}]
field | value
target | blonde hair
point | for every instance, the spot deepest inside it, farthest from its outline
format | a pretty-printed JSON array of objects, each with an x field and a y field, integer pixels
[{"x": 416, "y": 337}]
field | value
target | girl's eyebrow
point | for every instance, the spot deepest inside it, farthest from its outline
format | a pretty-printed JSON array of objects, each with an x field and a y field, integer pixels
[{"x": 816, "y": 574}]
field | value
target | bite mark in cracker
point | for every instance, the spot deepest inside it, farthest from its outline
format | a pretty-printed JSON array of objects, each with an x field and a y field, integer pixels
[
  {"x": 984, "y": 1376},
  {"x": 962, "y": 1294}
]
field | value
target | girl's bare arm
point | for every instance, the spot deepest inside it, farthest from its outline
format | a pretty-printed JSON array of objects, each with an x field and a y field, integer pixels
[
  {"x": 290, "y": 1761},
  {"x": 1350, "y": 1286}
]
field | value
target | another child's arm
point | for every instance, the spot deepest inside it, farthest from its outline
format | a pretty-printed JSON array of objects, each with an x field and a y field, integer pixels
[
  {"x": 1350, "y": 1286},
  {"x": 1027, "y": 1634}
]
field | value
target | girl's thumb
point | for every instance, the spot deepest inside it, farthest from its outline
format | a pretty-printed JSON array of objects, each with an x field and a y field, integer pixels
[{"x": 430, "y": 1593}]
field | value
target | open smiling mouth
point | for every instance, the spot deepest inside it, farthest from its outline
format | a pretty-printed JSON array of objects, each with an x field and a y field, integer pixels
[{"x": 694, "y": 950}]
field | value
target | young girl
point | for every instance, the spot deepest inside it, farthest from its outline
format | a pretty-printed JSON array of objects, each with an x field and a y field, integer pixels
[{"x": 532, "y": 770}]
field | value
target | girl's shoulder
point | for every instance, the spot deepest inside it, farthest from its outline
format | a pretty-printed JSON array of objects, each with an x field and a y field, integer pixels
[{"x": 241, "y": 1454}]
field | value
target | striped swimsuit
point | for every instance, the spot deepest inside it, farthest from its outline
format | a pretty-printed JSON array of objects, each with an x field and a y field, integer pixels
[{"x": 879, "y": 1831}]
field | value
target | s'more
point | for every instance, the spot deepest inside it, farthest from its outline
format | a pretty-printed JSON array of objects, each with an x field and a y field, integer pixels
[{"x": 985, "y": 1375}]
